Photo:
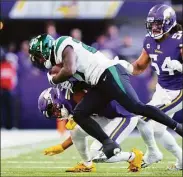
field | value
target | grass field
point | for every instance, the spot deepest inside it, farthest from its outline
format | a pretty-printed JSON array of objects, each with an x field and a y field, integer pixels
[{"x": 28, "y": 160}]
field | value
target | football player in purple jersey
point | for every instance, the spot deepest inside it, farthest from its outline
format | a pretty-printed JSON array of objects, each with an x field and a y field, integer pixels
[
  {"x": 113, "y": 120},
  {"x": 163, "y": 50}
]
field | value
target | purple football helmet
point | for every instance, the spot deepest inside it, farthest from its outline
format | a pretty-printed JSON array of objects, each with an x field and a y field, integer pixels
[
  {"x": 51, "y": 103},
  {"x": 160, "y": 20}
]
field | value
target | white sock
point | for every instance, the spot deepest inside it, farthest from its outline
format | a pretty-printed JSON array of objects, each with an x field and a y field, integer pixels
[
  {"x": 79, "y": 139},
  {"x": 122, "y": 156},
  {"x": 88, "y": 163},
  {"x": 146, "y": 131},
  {"x": 169, "y": 142}
]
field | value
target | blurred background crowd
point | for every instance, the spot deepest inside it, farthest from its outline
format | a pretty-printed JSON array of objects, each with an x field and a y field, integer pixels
[{"x": 120, "y": 35}]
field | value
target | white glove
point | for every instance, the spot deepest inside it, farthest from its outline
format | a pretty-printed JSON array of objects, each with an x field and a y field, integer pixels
[
  {"x": 64, "y": 113},
  {"x": 116, "y": 58},
  {"x": 67, "y": 85},
  {"x": 50, "y": 78},
  {"x": 175, "y": 65},
  {"x": 128, "y": 66}
]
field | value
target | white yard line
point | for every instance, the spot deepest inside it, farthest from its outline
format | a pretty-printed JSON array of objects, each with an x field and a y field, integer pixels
[
  {"x": 17, "y": 142},
  {"x": 24, "y": 137}
]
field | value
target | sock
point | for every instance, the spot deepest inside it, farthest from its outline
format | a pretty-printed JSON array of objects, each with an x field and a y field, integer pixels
[
  {"x": 169, "y": 142},
  {"x": 147, "y": 133},
  {"x": 88, "y": 163},
  {"x": 122, "y": 156},
  {"x": 79, "y": 139},
  {"x": 92, "y": 128}
]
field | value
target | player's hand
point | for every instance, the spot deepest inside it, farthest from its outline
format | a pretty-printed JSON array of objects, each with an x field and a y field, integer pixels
[
  {"x": 175, "y": 65},
  {"x": 70, "y": 124},
  {"x": 50, "y": 78},
  {"x": 67, "y": 85},
  {"x": 128, "y": 66},
  {"x": 116, "y": 58},
  {"x": 53, "y": 150}
]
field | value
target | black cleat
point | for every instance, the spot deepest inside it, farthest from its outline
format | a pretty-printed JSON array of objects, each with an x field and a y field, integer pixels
[
  {"x": 110, "y": 148},
  {"x": 179, "y": 129}
]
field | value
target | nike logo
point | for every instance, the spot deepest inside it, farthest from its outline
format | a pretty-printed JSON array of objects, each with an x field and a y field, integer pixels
[{"x": 104, "y": 78}]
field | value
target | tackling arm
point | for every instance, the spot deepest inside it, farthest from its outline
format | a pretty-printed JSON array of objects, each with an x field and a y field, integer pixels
[
  {"x": 58, "y": 148},
  {"x": 69, "y": 66},
  {"x": 141, "y": 63}
]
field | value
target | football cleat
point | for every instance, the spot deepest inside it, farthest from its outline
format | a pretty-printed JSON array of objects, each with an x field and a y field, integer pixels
[
  {"x": 101, "y": 158},
  {"x": 176, "y": 167},
  {"x": 135, "y": 164},
  {"x": 81, "y": 167},
  {"x": 111, "y": 148},
  {"x": 150, "y": 158}
]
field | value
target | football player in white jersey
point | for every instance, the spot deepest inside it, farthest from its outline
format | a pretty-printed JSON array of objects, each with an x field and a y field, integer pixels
[
  {"x": 109, "y": 81},
  {"x": 163, "y": 49}
]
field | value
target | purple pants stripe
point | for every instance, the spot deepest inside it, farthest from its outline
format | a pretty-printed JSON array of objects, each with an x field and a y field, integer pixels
[
  {"x": 119, "y": 129},
  {"x": 166, "y": 108}
]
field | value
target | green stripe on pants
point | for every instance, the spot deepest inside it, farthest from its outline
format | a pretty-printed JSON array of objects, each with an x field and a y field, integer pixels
[{"x": 115, "y": 75}]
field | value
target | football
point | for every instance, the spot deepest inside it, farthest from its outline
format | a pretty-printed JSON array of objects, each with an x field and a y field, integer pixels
[{"x": 55, "y": 69}]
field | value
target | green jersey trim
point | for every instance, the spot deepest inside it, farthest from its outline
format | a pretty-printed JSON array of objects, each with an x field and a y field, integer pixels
[{"x": 60, "y": 42}]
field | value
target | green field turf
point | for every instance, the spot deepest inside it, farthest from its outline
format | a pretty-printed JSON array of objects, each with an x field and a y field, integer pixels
[{"x": 34, "y": 163}]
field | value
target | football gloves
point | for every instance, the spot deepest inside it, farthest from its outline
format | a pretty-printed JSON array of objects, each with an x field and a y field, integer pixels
[{"x": 53, "y": 150}]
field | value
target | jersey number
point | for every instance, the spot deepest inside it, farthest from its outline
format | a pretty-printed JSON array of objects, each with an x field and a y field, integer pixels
[
  {"x": 87, "y": 47},
  {"x": 164, "y": 66}
]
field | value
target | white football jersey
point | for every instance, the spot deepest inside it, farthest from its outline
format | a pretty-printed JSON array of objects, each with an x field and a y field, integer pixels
[{"x": 90, "y": 62}]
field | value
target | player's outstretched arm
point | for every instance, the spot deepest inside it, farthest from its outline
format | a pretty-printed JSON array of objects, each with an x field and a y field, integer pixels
[
  {"x": 69, "y": 66},
  {"x": 141, "y": 63},
  {"x": 138, "y": 66},
  {"x": 57, "y": 149}
]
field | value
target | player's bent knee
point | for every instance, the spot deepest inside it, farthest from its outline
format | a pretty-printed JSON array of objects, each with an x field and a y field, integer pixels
[
  {"x": 137, "y": 108},
  {"x": 77, "y": 116}
]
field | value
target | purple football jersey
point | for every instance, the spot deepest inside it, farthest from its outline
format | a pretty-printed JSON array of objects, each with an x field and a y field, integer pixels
[
  {"x": 162, "y": 52},
  {"x": 111, "y": 111}
]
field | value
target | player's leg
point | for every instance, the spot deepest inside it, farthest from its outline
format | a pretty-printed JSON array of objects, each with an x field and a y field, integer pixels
[
  {"x": 161, "y": 134},
  {"x": 153, "y": 154},
  {"x": 118, "y": 85},
  {"x": 92, "y": 103},
  {"x": 80, "y": 141},
  {"x": 167, "y": 140},
  {"x": 118, "y": 130},
  {"x": 79, "y": 138}
]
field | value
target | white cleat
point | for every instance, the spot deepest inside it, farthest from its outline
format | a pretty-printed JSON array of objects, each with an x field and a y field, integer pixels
[
  {"x": 101, "y": 158},
  {"x": 151, "y": 157},
  {"x": 176, "y": 167}
]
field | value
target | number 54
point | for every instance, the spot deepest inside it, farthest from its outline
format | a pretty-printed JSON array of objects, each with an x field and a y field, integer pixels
[{"x": 164, "y": 66}]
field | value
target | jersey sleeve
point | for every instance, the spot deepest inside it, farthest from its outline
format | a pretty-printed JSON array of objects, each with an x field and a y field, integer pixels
[
  {"x": 178, "y": 38},
  {"x": 180, "y": 41},
  {"x": 146, "y": 43},
  {"x": 61, "y": 44}
]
